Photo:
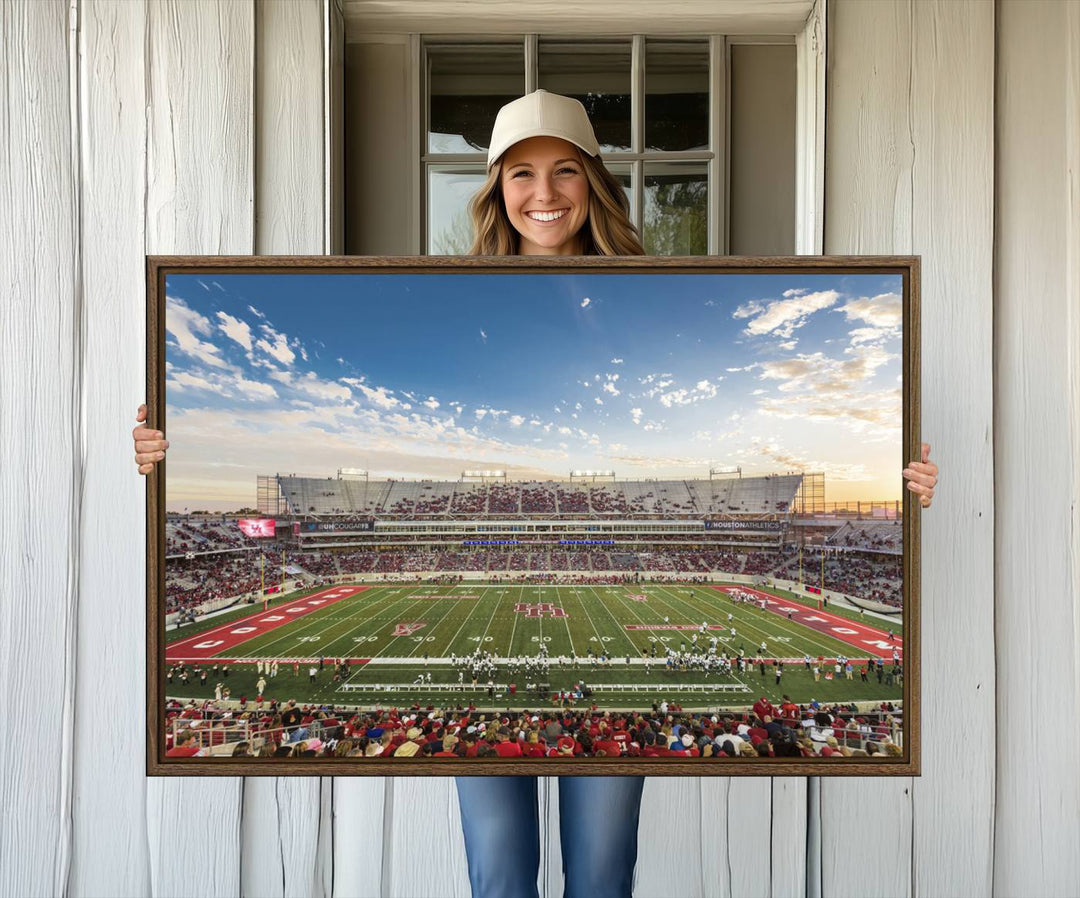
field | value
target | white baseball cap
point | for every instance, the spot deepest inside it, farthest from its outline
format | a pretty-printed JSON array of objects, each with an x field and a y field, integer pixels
[{"x": 541, "y": 114}]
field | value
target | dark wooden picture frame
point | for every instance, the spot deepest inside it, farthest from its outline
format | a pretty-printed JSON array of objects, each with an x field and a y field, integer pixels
[{"x": 159, "y": 352}]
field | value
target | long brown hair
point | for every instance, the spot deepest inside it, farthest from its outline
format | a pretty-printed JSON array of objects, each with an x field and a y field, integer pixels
[{"x": 607, "y": 231}]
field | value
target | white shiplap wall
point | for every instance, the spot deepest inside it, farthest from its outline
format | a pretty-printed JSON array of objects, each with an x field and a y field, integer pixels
[
  {"x": 1037, "y": 448},
  {"x": 909, "y": 151},
  {"x": 134, "y": 127}
]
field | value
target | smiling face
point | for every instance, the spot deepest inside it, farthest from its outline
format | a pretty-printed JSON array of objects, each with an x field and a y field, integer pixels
[{"x": 546, "y": 195}]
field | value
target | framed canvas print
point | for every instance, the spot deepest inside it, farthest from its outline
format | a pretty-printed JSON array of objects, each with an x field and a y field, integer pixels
[{"x": 605, "y": 515}]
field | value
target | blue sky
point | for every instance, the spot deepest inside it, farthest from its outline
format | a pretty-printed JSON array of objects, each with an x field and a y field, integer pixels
[{"x": 430, "y": 374}]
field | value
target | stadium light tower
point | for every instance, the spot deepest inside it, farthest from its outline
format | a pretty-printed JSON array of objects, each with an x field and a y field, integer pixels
[
  {"x": 483, "y": 476},
  {"x": 591, "y": 476},
  {"x": 721, "y": 472}
]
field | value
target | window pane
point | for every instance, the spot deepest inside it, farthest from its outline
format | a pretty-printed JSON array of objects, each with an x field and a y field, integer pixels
[
  {"x": 676, "y": 209},
  {"x": 467, "y": 85},
  {"x": 676, "y": 95},
  {"x": 597, "y": 74},
  {"x": 623, "y": 174},
  {"x": 449, "y": 191}
]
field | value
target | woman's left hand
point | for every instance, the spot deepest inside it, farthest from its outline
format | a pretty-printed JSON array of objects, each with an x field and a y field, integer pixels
[{"x": 922, "y": 477}]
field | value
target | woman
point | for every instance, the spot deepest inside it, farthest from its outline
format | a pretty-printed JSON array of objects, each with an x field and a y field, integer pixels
[{"x": 548, "y": 193}]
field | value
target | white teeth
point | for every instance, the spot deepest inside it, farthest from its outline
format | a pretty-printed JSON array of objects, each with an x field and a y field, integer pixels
[{"x": 546, "y": 216}]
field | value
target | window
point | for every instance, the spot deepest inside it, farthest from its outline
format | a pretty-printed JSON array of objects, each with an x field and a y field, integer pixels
[
  {"x": 656, "y": 104},
  {"x": 717, "y": 140}
]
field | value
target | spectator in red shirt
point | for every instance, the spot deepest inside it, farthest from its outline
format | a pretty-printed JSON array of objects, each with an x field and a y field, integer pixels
[
  {"x": 607, "y": 745},
  {"x": 185, "y": 746},
  {"x": 507, "y": 747},
  {"x": 448, "y": 743}
]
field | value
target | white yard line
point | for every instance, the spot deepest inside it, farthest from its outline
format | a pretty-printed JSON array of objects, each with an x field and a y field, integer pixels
[
  {"x": 468, "y": 617},
  {"x": 618, "y": 626},
  {"x": 566, "y": 621}
]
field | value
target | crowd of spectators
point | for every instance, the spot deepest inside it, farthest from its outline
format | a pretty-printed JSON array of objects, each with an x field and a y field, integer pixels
[
  {"x": 786, "y": 729},
  {"x": 228, "y": 567},
  {"x": 404, "y": 499},
  {"x": 873, "y": 536}
]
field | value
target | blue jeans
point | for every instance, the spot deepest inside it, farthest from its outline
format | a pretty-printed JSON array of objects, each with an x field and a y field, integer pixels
[{"x": 598, "y": 823}]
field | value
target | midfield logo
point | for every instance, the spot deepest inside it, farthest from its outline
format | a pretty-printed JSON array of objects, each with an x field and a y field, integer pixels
[
  {"x": 408, "y": 627},
  {"x": 539, "y": 609}
]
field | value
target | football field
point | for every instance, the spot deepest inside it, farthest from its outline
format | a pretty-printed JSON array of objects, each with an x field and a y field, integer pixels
[{"x": 395, "y": 636}]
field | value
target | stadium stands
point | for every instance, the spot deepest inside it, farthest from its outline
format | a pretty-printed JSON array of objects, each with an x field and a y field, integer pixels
[
  {"x": 402, "y": 499},
  {"x": 871, "y": 536},
  {"x": 272, "y": 729}
]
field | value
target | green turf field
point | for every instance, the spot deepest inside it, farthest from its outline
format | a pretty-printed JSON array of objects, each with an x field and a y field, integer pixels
[{"x": 593, "y": 619}]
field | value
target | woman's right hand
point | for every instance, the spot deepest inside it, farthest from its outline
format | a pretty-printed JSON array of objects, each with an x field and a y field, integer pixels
[{"x": 150, "y": 445}]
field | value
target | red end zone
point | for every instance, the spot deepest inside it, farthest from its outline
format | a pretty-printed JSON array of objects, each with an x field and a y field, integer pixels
[
  {"x": 866, "y": 639},
  {"x": 228, "y": 636}
]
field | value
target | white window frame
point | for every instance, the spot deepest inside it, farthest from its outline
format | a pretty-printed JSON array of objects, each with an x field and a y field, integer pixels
[{"x": 810, "y": 47}]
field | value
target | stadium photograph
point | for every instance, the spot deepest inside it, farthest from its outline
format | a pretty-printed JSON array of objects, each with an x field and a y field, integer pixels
[{"x": 533, "y": 515}]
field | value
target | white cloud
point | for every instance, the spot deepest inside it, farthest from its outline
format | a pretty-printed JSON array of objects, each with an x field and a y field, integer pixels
[
  {"x": 379, "y": 396},
  {"x": 827, "y": 377},
  {"x": 868, "y": 334},
  {"x": 480, "y": 413},
  {"x": 516, "y": 420},
  {"x": 794, "y": 461},
  {"x": 650, "y": 378},
  {"x": 861, "y": 413},
  {"x": 183, "y": 380},
  {"x": 885, "y": 310},
  {"x": 322, "y": 389},
  {"x": 254, "y": 389},
  {"x": 784, "y": 316},
  {"x": 703, "y": 389},
  {"x": 256, "y": 312},
  {"x": 432, "y": 403},
  {"x": 276, "y": 345},
  {"x": 236, "y": 330},
  {"x": 748, "y": 309},
  {"x": 483, "y": 335},
  {"x": 788, "y": 344},
  {"x": 635, "y": 415},
  {"x": 185, "y": 324},
  {"x": 616, "y": 361},
  {"x": 795, "y": 291},
  {"x": 598, "y": 400},
  {"x": 585, "y": 302},
  {"x": 675, "y": 397},
  {"x": 663, "y": 461}
]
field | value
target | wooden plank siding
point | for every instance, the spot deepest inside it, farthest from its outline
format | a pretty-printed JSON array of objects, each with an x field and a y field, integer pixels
[
  {"x": 909, "y": 169},
  {"x": 1037, "y": 447}
]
